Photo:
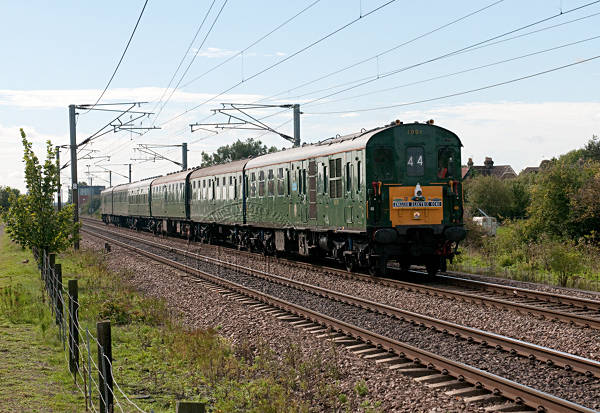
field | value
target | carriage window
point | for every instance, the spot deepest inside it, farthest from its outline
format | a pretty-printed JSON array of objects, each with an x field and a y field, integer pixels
[
  {"x": 358, "y": 176},
  {"x": 445, "y": 161},
  {"x": 271, "y": 187},
  {"x": 415, "y": 161},
  {"x": 325, "y": 179},
  {"x": 335, "y": 178},
  {"x": 253, "y": 184},
  {"x": 348, "y": 177},
  {"x": 270, "y": 174}
]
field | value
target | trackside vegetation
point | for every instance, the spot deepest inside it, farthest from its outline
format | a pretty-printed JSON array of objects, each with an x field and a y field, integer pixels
[
  {"x": 157, "y": 361},
  {"x": 31, "y": 219},
  {"x": 550, "y": 220}
]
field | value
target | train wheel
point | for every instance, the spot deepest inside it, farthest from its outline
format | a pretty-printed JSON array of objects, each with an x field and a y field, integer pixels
[
  {"x": 378, "y": 266},
  {"x": 432, "y": 266},
  {"x": 443, "y": 264},
  {"x": 350, "y": 262},
  {"x": 404, "y": 267}
]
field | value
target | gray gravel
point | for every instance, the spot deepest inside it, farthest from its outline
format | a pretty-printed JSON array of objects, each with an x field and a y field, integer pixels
[
  {"x": 568, "y": 385},
  {"x": 201, "y": 309}
]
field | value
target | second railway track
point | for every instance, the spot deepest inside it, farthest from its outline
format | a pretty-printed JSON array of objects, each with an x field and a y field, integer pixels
[
  {"x": 552, "y": 306},
  {"x": 537, "y": 356}
]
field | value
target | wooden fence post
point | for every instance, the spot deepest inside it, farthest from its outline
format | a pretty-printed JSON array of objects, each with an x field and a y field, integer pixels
[
  {"x": 105, "y": 380},
  {"x": 73, "y": 328},
  {"x": 50, "y": 264},
  {"x": 58, "y": 293}
]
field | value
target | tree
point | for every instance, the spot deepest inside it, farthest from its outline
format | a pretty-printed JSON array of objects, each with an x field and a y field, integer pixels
[
  {"x": 31, "y": 219},
  {"x": 592, "y": 149},
  {"x": 235, "y": 151},
  {"x": 560, "y": 205},
  {"x": 5, "y": 194},
  {"x": 490, "y": 194}
]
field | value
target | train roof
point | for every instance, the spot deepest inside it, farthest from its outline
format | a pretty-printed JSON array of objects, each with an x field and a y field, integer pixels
[
  {"x": 229, "y": 167},
  {"x": 172, "y": 177},
  {"x": 122, "y": 187},
  {"x": 142, "y": 184},
  {"x": 354, "y": 141}
]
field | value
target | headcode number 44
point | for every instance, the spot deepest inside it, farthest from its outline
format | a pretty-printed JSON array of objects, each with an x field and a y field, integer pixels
[{"x": 419, "y": 161}]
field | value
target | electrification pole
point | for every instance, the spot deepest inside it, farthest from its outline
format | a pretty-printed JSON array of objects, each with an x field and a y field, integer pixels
[
  {"x": 129, "y": 173},
  {"x": 58, "y": 193},
  {"x": 184, "y": 152},
  {"x": 296, "y": 108},
  {"x": 74, "y": 191}
]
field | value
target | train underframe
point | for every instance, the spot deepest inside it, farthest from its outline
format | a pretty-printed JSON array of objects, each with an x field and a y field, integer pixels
[{"x": 372, "y": 250}]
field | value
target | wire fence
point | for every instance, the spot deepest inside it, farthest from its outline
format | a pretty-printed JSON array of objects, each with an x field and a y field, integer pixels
[{"x": 78, "y": 343}]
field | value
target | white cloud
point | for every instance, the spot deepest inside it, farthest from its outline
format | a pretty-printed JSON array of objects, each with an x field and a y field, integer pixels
[
  {"x": 349, "y": 115},
  {"x": 214, "y": 52}
]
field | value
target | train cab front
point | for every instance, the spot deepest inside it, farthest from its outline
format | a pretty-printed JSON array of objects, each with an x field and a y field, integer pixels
[{"x": 417, "y": 206}]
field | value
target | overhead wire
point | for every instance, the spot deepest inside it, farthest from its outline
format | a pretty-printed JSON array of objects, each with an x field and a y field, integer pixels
[
  {"x": 281, "y": 61},
  {"x": 184, "y": 56},
  {"x": 249, "y": 46},
  {"x": 191, "y": 61},
  {"x": 554, "y": 69},
  {"x": 445, "y": 55},
  {"x": 387, "y": 51},
  {"x": 562, "y": 46},
  {"x": 353, "y": 82},
  {"x": 121, "y": 59}
]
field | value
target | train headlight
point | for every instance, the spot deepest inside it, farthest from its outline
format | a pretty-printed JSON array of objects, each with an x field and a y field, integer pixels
[
  {"x": 418, "y": 191},
  {"x": 416, "y": 215}
]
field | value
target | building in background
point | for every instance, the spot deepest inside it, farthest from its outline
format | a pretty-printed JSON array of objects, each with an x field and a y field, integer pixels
[
  {"x": 488, "y": 169},
  {"x": 89, "y": 197}
]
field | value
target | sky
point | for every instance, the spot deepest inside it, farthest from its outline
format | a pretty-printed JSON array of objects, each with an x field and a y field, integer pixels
[{"x": 511, "y": 78}]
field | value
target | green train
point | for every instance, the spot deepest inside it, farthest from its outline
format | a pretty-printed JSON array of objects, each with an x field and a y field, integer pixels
[{"x": 392, "y": 193}]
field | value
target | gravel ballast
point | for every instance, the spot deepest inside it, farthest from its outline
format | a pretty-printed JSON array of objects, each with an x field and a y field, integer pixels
[
  {"x": 201, "y": 308},
  {"x": 568, "y": 385}
]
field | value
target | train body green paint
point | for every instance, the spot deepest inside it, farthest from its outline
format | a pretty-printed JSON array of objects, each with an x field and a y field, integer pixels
[{"x": 391, "y": 193}]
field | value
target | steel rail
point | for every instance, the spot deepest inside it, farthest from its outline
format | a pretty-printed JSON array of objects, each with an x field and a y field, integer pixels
[
  {"x": 499, "y": 385},
  {"x": 529, "y": 350},
  {"x": 551, "y": 314},
  {"x": 584, "y": 303}
]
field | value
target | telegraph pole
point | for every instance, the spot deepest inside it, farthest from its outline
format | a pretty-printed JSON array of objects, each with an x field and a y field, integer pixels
[
  {"x": 74, "y": 191},
  {"x": 184, "y": 152},
  {"x": 129, "y": 173}
]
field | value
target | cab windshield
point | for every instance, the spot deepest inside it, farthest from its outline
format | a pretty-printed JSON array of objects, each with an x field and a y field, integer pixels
[{"x": 446, "y": 157}]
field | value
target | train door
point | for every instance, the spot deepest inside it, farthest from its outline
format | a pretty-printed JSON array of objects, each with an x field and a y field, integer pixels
[
  {"x": 312, "y": 192},
  {"x": 304, "y": 198},
  {"x": 348, "y": 188}
]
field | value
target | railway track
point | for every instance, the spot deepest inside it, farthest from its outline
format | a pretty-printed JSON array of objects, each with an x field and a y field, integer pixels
[
  {"x": 573, "y": 310},
  {"x": 431, "y": 368}
]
